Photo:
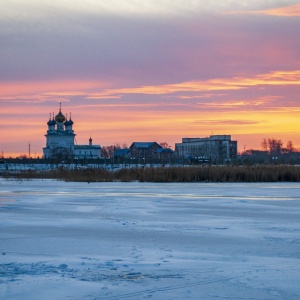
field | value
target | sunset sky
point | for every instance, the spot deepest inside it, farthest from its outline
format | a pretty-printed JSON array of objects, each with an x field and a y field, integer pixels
[{"x": 149, "y": 70}]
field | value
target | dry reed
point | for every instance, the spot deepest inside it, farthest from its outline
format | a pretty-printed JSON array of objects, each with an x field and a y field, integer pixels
[{"x": 259, "y": 173}]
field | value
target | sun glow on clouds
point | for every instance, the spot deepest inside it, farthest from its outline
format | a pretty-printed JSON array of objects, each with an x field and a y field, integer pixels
[
  {"x": 287, "y": 11},
  {"x": 159, "y": 70},
  {"x": 273, "y": 78},
  {"x": 46, "y": 91}
]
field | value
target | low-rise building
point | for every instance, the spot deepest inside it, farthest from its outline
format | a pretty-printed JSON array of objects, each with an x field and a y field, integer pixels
[
  {"x": 165, "y": 155},
  {"x": 122, "y": 153},
  {"x": 144, "y": 151},
  {"x": 87, "y": 151}
]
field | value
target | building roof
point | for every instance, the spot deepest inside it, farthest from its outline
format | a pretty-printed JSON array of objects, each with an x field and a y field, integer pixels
[
  {"x": 165, "y": 150},
  {"x": 87, "y": 147},
  {"x": 212, "y": 138},
  {"x": 121, "y": 152},
  {"x": 143, "y": 145}
]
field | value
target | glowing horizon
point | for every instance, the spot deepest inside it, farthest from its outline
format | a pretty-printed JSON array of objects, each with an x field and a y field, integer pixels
[{"x": 150, "y": 71}]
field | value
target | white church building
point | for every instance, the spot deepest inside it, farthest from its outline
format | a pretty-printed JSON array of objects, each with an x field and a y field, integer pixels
[{"x": 60, "y": 140}]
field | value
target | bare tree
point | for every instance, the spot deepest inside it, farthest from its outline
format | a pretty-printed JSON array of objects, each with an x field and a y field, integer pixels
[
  {"x": 273, "y": 146},
  {"x": 290, "y": 146},
  {"x": 108, "y": 151},
  {"x": 164, "y": 144},
  {"x": 61, "y": 153},
  {"x": 264, "y": 144}
]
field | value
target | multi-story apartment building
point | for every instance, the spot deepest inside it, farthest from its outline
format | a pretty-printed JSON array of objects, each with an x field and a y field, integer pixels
[{"x": 216, "y": 148}]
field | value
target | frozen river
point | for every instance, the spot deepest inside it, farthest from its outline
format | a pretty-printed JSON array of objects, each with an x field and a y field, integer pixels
[{"x": 63, "y": 240}]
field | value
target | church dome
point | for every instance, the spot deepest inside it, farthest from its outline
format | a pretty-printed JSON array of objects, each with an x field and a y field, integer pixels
[
  {"x": 70, "y": 122},
  {"x": 60, "y": 117},
  {"x": 51, "y": 122}
]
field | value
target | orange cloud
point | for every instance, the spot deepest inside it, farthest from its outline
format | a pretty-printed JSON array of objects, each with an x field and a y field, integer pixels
[
  {"x": 235, "y": 83},
  {"x": 48, "y": 91},
  {"x": 201, "y": 96},
  {"x": 287, "y": 11},
  {"x": 107, "y": 128},
  {"x": 169, "y": 118}
]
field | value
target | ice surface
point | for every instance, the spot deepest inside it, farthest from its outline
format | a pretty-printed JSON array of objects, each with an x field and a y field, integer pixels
[{"x": 63, "y": 240}]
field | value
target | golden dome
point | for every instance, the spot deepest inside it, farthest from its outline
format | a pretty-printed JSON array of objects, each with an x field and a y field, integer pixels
[{"x": 60, "y": 117}]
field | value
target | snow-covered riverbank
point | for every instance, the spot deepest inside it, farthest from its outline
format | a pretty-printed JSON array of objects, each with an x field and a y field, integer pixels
[{"x": 142, "y": 240}]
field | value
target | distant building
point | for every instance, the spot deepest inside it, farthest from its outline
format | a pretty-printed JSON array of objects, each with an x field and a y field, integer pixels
[
  {"x": 216, "y": 148},
  {"x": 144, "y": 151},
  {"x": 165, "y": 154},
  {"x": 87, "y": 151},
  {"x": 122, "y": 153},
  {"x": 60, "y": 139}
]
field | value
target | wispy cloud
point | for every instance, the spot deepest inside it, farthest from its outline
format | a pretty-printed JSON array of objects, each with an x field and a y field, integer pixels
[
  {"x": 205, "y": 96},
  {"x": 229, "y": 122},
  {"x": 286, "y": 11},
  {"x": 47, "y": 89},
  {"x": 220, "y": 84},
  {"x": 38, "y": 8},
  {"x": 64, "y": 91}
]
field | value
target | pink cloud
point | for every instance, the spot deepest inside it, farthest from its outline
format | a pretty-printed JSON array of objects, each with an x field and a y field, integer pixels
[{"x": 48, "y": 88}]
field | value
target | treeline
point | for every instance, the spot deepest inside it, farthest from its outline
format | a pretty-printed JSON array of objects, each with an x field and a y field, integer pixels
[
  {"x": 259, "y": 173},
  {"x": 275, "y": 146}
]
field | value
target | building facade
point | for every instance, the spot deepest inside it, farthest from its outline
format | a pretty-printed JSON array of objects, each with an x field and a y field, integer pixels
[
  {"x": 87, "y": 151},
  {"x": 144, "y": 151},
  {"x": 215, "y": 149},
  {"x": 60, "y": 140}
]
